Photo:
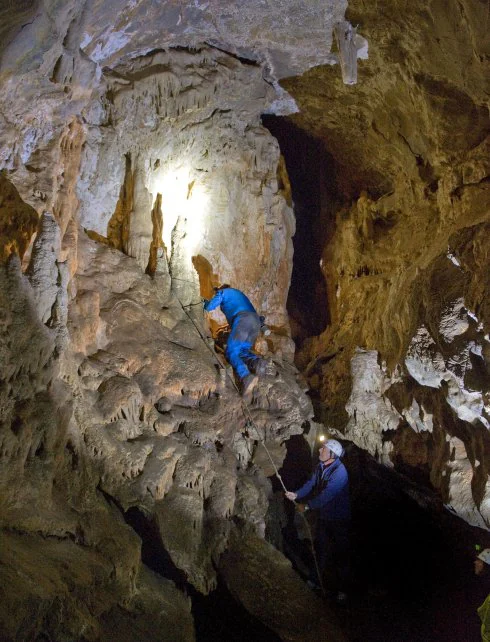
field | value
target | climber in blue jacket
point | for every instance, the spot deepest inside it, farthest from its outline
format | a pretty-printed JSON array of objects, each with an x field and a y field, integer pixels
[
  {"x": 329, "y": 491},
  {"x": 245, "y": 326}
]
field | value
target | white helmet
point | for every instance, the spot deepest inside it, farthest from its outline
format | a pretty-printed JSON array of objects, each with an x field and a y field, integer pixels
[
  {"x": 484, "y": 556},
  {"x": 336, "y": 447}
]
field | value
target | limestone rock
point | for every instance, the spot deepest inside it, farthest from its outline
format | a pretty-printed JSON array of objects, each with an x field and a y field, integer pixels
[
  {"x": 38, "y": 594},
  {"x": 138, "y": 127},
  {"x": 18, "y": 221},
  {"x": 404, "y": 207},
  {"x": 156, "y": 611},
  {"x": 263, "y": 580},
  {"x": 121, "y": 358}
]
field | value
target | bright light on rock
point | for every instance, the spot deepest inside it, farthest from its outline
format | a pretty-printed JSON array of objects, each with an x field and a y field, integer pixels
[
  {"x": 417, "y": 418},
  {"x": 460, "y": 495},
  {"x": 424, "y": 363},
  {"x": 184, "y": 199},
  {"x": 370, "y": 412}
]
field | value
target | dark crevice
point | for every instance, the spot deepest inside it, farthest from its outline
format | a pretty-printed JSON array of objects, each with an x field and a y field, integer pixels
[
  {"x": 153, "y": 553},
  {"x": 311, "y": 173},
  {"x": 244, "y": 60},
  {"x": 56, "y": 70},
  {"x": 217, "y": 616}
]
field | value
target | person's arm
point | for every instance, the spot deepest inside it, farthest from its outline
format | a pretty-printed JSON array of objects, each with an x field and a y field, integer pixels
[
  {"x": 213, "y": 303},
  {"x": 335, "y": 485},
  {"x": 304, "y": 490}
]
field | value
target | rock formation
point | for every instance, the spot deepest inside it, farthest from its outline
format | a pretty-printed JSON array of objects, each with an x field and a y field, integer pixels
[
  {"x": 403, "y": 367},
  {"x": 152, "y": 180},
  {"x": 136, "y": 175}
]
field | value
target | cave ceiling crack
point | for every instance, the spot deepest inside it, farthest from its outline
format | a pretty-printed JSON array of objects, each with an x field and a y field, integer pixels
[
  {"x": 418, "y": 157},
  {"x": 242, "y": 59},
  {"x": 195, "y": 123}
]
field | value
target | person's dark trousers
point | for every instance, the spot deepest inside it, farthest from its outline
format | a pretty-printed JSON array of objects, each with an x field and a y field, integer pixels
[
  {"x": 244, "y": 332},
  {"x": 332, "y": 548}
]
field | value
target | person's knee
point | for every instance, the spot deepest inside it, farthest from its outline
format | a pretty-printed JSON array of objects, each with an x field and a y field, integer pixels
[{"x": 232, "y": 349}]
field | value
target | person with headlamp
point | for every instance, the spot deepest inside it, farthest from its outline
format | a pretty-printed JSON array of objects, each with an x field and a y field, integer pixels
[{"x": 327, "y": 491}]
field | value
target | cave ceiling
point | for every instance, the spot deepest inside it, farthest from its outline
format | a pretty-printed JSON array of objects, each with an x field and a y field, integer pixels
[
  {"x": 285, "y": 37},
  {"x": 421, "y": 99}
]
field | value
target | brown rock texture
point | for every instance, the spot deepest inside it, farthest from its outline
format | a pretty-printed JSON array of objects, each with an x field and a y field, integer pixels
[
  {"x": 18, "y": 221},
  {"x": 278, "y": 597},
  {"x": 404, "y": 225}
]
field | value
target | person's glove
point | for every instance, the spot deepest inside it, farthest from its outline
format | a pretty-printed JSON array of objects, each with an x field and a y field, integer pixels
[{"x": 290, "y": 495}]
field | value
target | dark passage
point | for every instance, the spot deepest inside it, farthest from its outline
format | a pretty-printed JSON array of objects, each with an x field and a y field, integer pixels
[
  {"x": 310, "y": 170},
  {"x": 218, "y": 617},
  {"x": 413, "y": 578}
]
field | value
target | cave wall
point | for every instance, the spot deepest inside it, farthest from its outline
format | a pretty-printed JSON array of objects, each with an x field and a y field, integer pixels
[
  {"x": 404, "y": 258},
  {"x": 111, "y": 402},
  {"x": 189, "y": 125}
]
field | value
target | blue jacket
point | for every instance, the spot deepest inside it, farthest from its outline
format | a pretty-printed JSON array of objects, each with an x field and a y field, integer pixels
[
  {"x": 231, "y": 302},
  {"x": 331, "y": 486}
]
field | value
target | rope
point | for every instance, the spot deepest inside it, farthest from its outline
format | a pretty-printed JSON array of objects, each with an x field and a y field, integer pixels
[
  {"x": 251, "y": 422},
  {"x": 245, "y": 409},
  {"x": 190, "y": 305},
  {"x": 317, "y": 568}
]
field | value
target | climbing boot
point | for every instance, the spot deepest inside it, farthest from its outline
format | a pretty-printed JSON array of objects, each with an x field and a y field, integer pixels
[{"x": 248, "y": 384}]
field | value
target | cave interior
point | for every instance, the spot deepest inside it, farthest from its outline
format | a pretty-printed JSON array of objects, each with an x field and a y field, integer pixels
[{"x": 331, "y": 161}]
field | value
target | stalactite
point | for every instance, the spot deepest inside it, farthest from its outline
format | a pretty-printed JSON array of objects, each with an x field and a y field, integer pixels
[
  {"x": 118, "y": 227},
  {"x": 156, "y": 242}
]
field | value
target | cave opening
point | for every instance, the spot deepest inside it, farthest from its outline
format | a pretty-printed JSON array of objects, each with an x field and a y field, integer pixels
[{"x": 311, "y": 173}]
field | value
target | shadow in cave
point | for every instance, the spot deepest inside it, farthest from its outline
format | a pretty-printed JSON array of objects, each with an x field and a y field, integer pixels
[
  {"x": 217, "y": 616},
  {"x": 153, "y": 553},
  {"x": 412, "y": 560},
  {"x": 310, "y": 171}
]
